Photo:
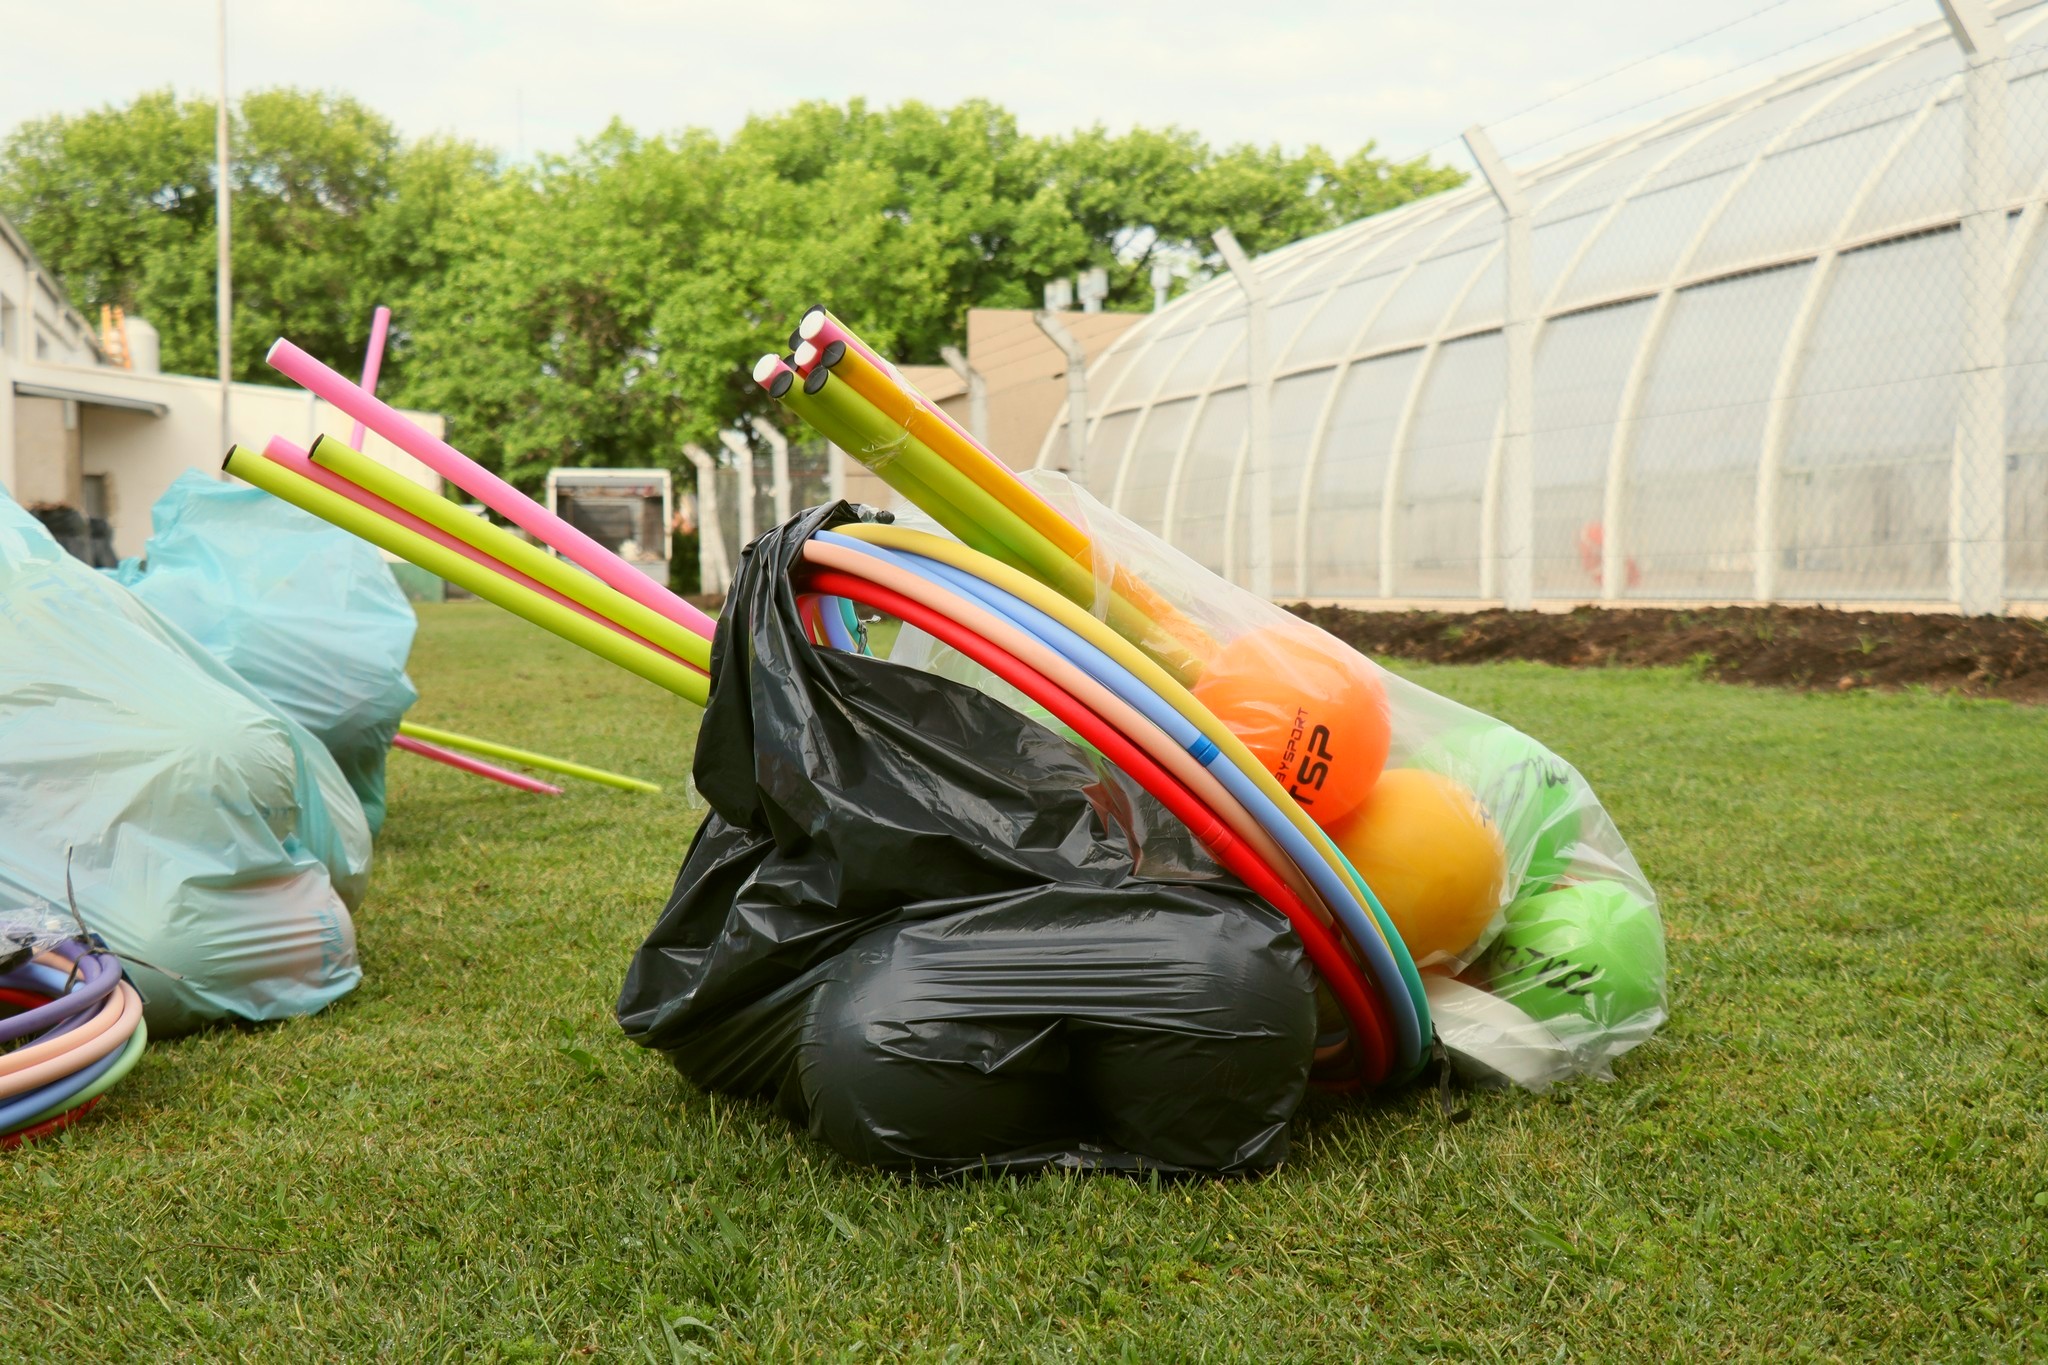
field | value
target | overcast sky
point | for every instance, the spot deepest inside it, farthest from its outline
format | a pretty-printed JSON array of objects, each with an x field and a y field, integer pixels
[{"x": 528, "y": 75}]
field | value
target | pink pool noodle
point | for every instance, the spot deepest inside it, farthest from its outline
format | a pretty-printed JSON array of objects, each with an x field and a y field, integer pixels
[
  {"x": 284, "y": 453},
  {"x": 486, "y": 487},
  {"x": 475, "y": 765},
  {"x": 373, "y": 361}
]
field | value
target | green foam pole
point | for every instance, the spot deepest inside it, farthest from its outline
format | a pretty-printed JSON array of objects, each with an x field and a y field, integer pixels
[
  {"x": 536, "y": 563},
  {"x": 522, "y": 601},
  {"x": 532, "y": 760},
  {"x": 831, "y": 424}
]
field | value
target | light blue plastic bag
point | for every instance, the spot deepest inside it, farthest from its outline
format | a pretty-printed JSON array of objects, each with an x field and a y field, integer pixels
[
  {"x": 306, "y": 613},
  {"x": 209, "y": 834}
]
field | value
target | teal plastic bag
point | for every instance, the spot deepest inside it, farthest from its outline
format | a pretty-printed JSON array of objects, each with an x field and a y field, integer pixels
[
  {"x": 306, "y": 613},
  {"x": 210, "y": 839}
]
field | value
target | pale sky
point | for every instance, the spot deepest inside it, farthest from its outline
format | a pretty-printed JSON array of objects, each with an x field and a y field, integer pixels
[{"x": 528, "y": 75}]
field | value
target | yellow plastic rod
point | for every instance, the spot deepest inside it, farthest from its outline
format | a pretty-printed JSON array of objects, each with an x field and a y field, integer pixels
[
  {"x": 490, "y": 749},
  {"x": 522, "y": 601},
  {"x": 902, "y": 405},
  {"x": 536, "y": 563},
  {"x": 1023, "y": 547}
]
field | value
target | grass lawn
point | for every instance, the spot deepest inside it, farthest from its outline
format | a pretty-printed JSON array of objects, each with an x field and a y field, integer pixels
[{"x": 1837, "y": 1149}]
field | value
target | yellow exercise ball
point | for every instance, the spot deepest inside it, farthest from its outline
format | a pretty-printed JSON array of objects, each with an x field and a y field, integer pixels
[{"x": 1424, "y": 844}]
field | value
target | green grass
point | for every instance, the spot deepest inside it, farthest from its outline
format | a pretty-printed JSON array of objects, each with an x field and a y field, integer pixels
[{"x": 1835, "y": 1150}]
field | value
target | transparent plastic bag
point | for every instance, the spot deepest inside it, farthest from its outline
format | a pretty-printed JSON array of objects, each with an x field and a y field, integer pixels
[
  {"x": 306, "y": 613},
  {"x": 1538, "y": 936},
  {"x": 210, "y": 840}
]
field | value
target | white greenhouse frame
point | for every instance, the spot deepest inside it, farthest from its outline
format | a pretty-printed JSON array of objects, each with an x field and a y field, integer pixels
[{"x": 1472, "y": 220}]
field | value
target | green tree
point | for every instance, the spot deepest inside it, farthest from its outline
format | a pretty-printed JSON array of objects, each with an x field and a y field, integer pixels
[
  {"x": 332, "y": 215},
  {"x": 602, "y": 307}
]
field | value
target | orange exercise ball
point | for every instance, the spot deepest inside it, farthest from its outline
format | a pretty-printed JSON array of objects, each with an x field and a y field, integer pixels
[
  {"x": 1425, "y": 846},
  {"x": 1309, "y": 707}
]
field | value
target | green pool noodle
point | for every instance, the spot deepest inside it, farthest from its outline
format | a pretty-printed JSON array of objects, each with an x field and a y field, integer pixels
[{"x": 495, "y": 541}]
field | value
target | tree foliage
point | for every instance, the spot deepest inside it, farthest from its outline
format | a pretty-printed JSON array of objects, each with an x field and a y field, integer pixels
[
  {"x": 332, "y": 215},
  {"x": 601, "y": 307}
]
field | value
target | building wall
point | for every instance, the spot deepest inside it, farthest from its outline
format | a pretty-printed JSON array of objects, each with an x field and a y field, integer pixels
[
  {"x": 140, "y": 454},
  {"x": 46, "y": 437},
  {"x": 37, "y": 324}
]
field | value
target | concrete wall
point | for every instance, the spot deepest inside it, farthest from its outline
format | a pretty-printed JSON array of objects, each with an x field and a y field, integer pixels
[
  {"x": 37, "y": 321},
  {"x": 140, "y": 454},
  {"x": 1027, "y": 374}
]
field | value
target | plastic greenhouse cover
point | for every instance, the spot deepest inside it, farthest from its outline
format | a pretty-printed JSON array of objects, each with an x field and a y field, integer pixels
[
  {"x": 944, "y": 938},
  {"x": 303, "y": 611},
  {"x": 207, "y": 834},
  {"x": 1539, "y": 937}
]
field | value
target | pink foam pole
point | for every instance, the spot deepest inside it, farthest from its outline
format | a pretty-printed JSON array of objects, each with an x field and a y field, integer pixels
[
  {"x": 474, "y": 765},
  {"x": 486, "y": 487},
  {"x": 373, "y": 361},
  {"x": 284, "y": 453}
]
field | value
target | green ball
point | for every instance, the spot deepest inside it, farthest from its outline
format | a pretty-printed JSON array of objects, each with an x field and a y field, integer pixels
[
  {"x": 1533, "y": 795},
  {"x": 1591, "y": 949}
]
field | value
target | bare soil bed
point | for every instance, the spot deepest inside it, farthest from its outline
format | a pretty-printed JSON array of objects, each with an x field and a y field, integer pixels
[{"x": 1805, "y": 647}]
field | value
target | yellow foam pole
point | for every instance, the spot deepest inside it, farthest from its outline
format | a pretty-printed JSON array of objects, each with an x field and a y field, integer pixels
[
  {"x": 521, "y": 601},
  {"x": 919, "y": 418},
  {"x": 1022, "y": 546},
  {"x": 536, "y": 563}
]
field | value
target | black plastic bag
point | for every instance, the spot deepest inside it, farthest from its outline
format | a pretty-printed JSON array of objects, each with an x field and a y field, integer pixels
[{"x": 944, "y": 938}]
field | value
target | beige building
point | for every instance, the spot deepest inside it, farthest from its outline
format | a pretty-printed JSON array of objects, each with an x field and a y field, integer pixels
[
  {"x": 78, "y": 430},
  {"x": 1026, "y": 386}
]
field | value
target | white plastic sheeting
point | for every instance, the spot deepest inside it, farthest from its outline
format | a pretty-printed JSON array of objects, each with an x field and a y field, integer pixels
[{"x": 1748, "y": 355}]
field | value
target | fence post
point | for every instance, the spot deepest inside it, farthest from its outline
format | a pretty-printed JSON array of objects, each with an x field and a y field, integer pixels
[
  {"x": 1077, "y": 393},
  {"x": 743, "y": 462},
  {"x": 712, "y": 569},
  {"x": 1258, "y": 390},
  {"x": 778, "y": 465},
  {"x": 1518, "y": 330},
  {"x": 1977, "y": 474},
  {"x": 977, "y": 391}
]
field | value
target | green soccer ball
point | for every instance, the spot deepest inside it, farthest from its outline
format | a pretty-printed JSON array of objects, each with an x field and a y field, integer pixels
[{"x": 1590, "y": 949}]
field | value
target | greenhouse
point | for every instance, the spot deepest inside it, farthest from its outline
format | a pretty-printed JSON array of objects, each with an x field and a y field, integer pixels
[{"x": 1786, "y": 346}]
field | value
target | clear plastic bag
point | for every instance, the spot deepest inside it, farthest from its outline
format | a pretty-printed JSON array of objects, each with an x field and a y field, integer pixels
[
  {"x": 306, "y": 613},
  {"x": 210, "y": 840},
  {"x": 1537, "y": 934}
]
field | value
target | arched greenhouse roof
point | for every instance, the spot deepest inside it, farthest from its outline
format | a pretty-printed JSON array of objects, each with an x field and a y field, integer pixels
[{"x": 1762, "y": 291}]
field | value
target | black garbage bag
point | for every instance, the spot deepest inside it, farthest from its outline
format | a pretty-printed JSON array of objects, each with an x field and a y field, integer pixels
[{"x": 944, "y": 938}]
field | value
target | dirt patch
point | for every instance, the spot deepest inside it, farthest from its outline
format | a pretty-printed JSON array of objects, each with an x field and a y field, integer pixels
[{"x": 1808, "y": 647}]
